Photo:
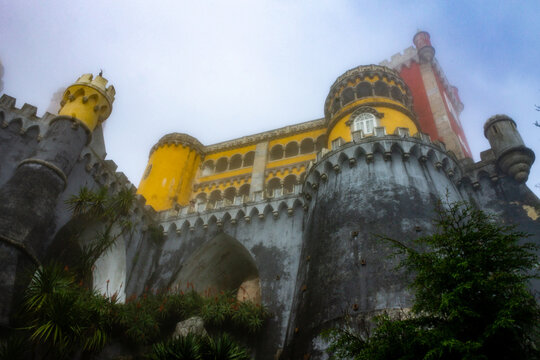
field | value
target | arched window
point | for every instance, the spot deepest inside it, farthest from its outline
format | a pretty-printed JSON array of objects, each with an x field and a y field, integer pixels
[
  {"x": 363, "y": 90},
  {"x": 381, "y": 89},
  {"x": 200, "y": 198},
  {"x": 244, "y": 190},
  {"x": 236, "y": 162},
  {"x": 215, "y": 196},
  {"x": 291, "y": 149},
  {"x": 229, "y": 194},
  {"x": 347, "y": 96},
  {"x": 396, "y": 94},
  {"x": 221, "y": 164},
  {"x": 364, "y": 122},
  {"x": 273, "y": 185},
  {"x": 276, "y": 153},
  {"x": 208, "y": 168},
  {"x": 320, "y": 143},
  {"x": 288, "y": 184},
  {"x": 307, "y": 146},
  {"x": 249, "y": 158}
]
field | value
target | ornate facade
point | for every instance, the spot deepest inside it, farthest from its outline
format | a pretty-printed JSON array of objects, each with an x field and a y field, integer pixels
[{"x": 285, "y": 217}]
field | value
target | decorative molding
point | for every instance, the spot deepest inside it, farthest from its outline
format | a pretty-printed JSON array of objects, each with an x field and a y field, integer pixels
[
  {"x": 362, "y": 72},
  {"x": 47, "y": 164},
  {"x": 179, "y": 139}
]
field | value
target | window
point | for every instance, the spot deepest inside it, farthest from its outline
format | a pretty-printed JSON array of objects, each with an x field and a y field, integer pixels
[{"x": 364, "y": 122}]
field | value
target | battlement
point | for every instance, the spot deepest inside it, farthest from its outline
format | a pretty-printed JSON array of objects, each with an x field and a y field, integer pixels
[{"x": 99, "y": 83}]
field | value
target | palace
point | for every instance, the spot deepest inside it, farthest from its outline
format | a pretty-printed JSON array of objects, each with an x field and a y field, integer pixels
[{"x": 286, "y": 217}]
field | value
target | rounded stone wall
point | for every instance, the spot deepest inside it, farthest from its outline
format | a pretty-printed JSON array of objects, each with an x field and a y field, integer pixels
[{"x": 381, "y": 186}]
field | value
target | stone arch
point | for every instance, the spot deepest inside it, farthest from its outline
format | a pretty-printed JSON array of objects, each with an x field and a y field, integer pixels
[
  {"x": 288, "y": 183},
  {"x": 201, "y": 198},
  {"x": 222, "y": 164},
  {"x": 381, "y": 89},
  {"x": 15, "y": 125},
  {"x": 276, "y": 152},
  {"x": 235, "y": 162},
  {"x": 32, "y": 131},
  {"x": 396, "y": 94},
  {"x": 320, "y": 143},
  {"x": 347, "y": 96},
  {"x": 249, "y": 158},
  {"x": 307, "y": 146},
  {"x": 363, "y": 90},
  {"x": 222, "y": 264},
  {"x": 208, "y": 168},
  {"x": 272, "y": 185},
  {"x": 214, "y": 197},
  {"x": 229, "y": 194},
  {"x": 244, "y": 190},
  {"x": 291, "y": 149}
]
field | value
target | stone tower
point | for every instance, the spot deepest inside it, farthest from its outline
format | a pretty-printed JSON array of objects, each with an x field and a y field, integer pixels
[
  {"x": 513, "y": 157},
  {"x": 28, "y": 198}
]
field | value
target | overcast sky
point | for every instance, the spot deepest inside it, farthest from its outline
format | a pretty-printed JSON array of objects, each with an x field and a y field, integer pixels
[{"x": 218, "y": 70}]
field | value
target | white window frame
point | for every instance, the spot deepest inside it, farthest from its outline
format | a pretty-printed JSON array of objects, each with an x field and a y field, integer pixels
[{"x": 365, "y": 122}]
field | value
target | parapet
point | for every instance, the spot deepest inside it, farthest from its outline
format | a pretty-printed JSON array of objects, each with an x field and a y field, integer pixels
[
  {"x": 351, "y": 86},
  {"x": 179, "y": 139}
]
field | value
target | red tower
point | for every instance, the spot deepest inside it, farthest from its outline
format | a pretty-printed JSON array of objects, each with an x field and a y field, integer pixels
[{"x": 435, "y": 101}]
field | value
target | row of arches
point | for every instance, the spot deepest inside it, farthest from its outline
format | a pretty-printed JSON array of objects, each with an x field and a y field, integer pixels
[
  {"x": 274, "y": 187},
  {"x": 293, "y": 148},
  {"x": 222, "y": 164},
  {"x": 227, "y": 196},
  {"x": 278, "y": 186},
  {"x": 367, "y": 89}
]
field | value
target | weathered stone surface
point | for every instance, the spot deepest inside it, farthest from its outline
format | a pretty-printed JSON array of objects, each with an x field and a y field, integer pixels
[{"x": 194, "y": 325}]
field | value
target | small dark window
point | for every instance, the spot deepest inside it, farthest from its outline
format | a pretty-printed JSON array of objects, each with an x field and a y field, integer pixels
[
  {"x": 347, "y": 96},
  {"x": 381, "y": 89},
  {"x": 276, "y": 153},
  {"x": 291, "y": 149},
  {"x": 363, "y": 90}
]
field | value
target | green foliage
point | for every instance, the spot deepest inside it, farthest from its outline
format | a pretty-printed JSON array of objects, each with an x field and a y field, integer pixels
[
  {"x": 193, "y": 347},
  {"x": 14, "y": 348},
  {"x": 224, "y": 308},
  {"x": 471, "y": 295},
  {"x": 63, "y": 316},
  {"x": 108, "y": 210},
  {"x": 182, "y": 348}
]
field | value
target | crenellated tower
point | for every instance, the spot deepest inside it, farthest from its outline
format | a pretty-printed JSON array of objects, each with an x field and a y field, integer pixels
[
  {"x": 383, "y": 178},
  {"x": 28, "y": 199},
  {"x": 172, "y": 166}
]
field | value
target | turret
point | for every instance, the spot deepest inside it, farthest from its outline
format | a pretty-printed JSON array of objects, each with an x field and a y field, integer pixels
[
  {"x": 366, "y": 98},
  {"x": 422, "y": 41},
  {"x": 172, "y": 166},
  {"x": 29, "y": 198},
  {"x": 89, "y": 100},
  {"x": 513, "y": 157}
]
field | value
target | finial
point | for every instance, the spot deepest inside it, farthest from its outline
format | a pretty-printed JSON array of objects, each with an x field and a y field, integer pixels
[{"x": 100, "y": 72}]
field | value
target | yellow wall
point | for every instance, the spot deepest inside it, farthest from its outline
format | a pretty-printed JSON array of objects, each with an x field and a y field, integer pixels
[
  {"x": 83, "y": 105},
  {"x": 392, "y": 119},
  {"x": 171, "y": 176},
  {"x": 314, "y": 134}
]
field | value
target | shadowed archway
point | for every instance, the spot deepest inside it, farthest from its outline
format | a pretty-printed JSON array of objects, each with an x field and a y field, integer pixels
[{"x": 221, "y": 264}]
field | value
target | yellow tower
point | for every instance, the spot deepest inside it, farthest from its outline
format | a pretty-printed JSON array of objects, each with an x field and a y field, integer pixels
[
  {"x": 366, "y": 100},
  {"x": 89, "y": 100},
  {"x": 172, "y": 166}
]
